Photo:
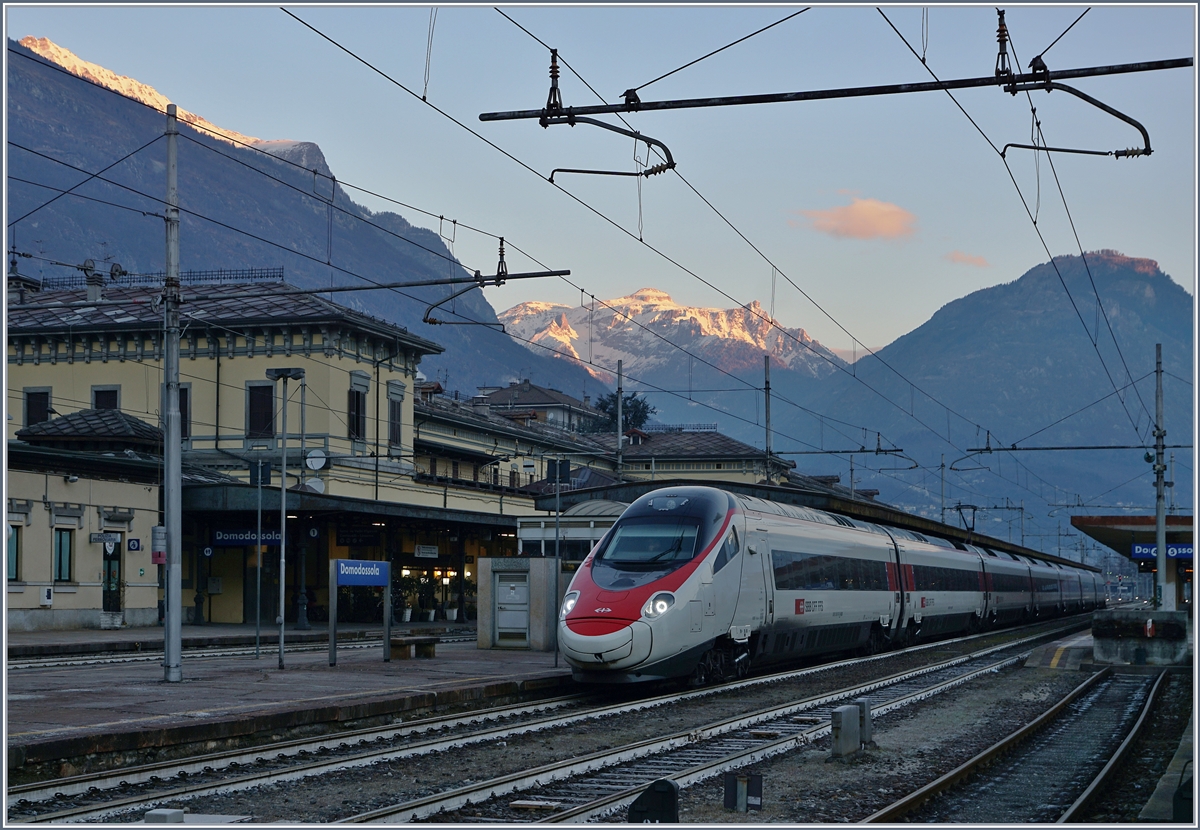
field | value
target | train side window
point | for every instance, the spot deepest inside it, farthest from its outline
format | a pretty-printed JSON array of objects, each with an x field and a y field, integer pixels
[{"x": 728, "y": 551}]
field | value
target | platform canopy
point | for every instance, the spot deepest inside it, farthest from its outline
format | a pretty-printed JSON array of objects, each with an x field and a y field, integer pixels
[{"x": 1122, "y": 533}]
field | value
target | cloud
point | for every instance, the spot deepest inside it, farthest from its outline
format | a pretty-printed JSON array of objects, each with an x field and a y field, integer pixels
[
  {"x": 967, "y": 259},
  {"x": 863, "y": 219}
]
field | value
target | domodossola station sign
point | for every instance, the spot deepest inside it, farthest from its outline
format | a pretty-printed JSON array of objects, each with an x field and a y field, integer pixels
[
  {"x": 1175, "y": 550},
  {"x": 360, "y": 573}
]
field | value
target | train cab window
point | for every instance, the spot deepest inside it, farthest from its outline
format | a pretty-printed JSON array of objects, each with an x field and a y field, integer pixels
[
  {"x": 728, "y": 551},
  {"x": 651, "y": 542}
]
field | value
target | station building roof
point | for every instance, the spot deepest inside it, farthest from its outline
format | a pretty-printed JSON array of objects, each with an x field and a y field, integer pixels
[
  {"x": 234, "y": 305},
  {"x": 1121, "y": 533}
]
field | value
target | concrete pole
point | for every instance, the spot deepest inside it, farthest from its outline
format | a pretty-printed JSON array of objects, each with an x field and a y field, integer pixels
[
  {"x": 620, "y": 429},
  {"x": 283, "y": 521},
  {"x": 942, "y": 469},
  {"x": 1165, "y": 594},
  {"x": 302, "y": 623},
  {"x": 172, "y": 450},
  {"x": 557, "y": 558},
  {"x": 258, "y": 553},
  {"x": 767, "y": 398}
]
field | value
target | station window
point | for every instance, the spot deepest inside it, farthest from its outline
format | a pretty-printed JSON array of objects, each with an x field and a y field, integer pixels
[
  {"x": 356, "y": 415},
  {"x": 356, "y": 407},
  {"x": 260, "y": 410},
  {"x": 37, "y": 406},
  {"x": 14, "y": 553},
  {"x": 63, "y": 545},
  {"x": 395, "y": 392},
  {"x": 106, "y": 397},
  {"x": 185, "y": 408}
]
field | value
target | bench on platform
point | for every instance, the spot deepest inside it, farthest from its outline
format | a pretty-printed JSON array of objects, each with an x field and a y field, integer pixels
[{"x": 402, "y": 647}]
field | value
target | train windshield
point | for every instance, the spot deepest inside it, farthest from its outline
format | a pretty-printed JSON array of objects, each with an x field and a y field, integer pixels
[
  {"x": 662, "y": 531},
  {"x": 652, "y": 542}
]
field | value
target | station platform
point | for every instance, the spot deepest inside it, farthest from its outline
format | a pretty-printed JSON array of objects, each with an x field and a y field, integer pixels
[
  {"x": 1071, "y": 653},
  {"x": 63, "y": 713}
]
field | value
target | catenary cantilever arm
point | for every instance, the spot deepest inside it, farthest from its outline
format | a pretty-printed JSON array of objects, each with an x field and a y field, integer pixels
[
  {"x": 572, "y": 120},
  {"x": 1049, "y": 85}
]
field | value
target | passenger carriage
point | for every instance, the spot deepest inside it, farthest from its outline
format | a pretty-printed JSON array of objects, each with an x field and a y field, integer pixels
[{"x": 701, "y": 583}]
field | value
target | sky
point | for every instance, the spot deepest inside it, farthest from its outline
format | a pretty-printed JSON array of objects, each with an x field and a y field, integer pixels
[{"x": 855, "y": 219}]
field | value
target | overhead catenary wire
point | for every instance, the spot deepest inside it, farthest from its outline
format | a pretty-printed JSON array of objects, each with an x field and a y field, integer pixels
[
  {"x": 1075, "y": 232},
  {"x": 758, "y": 251},
  {"x": 316, "y": 259},
  {"x": 523, "y": 164},
  {"x": 128, "y": 155},
  {"x": 63, "y": 192},
  {"x": 714, "y": 52},
  {"x": 712, "y": 207},
  {"x": 1060, "y": 37},
  {"x": 246, "y": 145},
  {"x": 1025, "y": 204},
  {"x": 484, "y": 139}
]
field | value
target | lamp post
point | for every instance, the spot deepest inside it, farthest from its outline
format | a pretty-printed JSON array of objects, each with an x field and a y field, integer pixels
[{"x": 273, "y": 375}]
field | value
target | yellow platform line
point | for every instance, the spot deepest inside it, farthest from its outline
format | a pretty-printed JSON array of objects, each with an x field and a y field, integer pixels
[{"x": 1058, "y": 653}]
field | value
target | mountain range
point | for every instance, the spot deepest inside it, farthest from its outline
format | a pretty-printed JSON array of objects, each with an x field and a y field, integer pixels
[
  {"x": 1031, "y": 362},
  {"x": 647, "y": 331},
  {"x": 245, "y": 203}
]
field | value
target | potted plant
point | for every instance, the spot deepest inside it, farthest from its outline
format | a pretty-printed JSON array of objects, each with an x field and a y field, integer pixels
[
  {"x": 426, "y": 597},
  {"x": 404, "y": 588}
]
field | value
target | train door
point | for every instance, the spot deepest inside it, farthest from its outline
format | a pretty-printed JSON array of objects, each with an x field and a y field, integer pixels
[
  {"x": 768, "y": 579},
  {"x": 755, "y": 606}
]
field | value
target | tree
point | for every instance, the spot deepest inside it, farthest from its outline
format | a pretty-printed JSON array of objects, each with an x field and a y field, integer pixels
[{"x": 635, "y": 412}]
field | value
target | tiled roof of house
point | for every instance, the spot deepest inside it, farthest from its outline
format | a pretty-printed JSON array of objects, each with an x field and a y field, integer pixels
[
  {"x": 236, "y": 304},
  {"x": 463, "y": 412},
  {"x": 527, "y": 394},
  {"x": 704, "y": 444},
  {"x": 93, "y": 425}
]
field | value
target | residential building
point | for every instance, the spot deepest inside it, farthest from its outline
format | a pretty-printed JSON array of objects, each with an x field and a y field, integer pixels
[{"x": 525, "y": 402}]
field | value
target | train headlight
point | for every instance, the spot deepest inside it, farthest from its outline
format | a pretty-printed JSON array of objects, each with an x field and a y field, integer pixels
[
  {"x": 568, "y": 603},
  {"x": 657, "y": 605}
]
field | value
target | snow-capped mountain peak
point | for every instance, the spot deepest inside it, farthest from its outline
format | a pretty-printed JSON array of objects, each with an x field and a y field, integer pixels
[
  {"x": 648, "y": 330},
  {"x": 127, "y": 86}
]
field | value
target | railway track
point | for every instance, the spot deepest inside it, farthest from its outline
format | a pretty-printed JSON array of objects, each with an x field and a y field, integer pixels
[
  {"x": 593, "y": 787},
  {"x": 97, "y": 796},
  {"x": 266, "y": 649},
  {"x": 1088, "y": 733}
]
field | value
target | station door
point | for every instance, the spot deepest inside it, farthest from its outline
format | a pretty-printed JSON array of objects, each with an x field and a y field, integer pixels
[
  {"x": 111, "y": 586},
  {"x": 512, "y": 609}
]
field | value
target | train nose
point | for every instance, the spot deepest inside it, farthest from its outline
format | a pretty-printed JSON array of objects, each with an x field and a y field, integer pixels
[{"x": 615, "y": 644}]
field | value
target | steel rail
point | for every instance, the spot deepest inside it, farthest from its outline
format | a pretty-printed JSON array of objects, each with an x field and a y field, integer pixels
[
  {"x": 847, "y": 92},
  {"x": 205, "y": 764},
  {"x": 89, "y": 782},
  {"x": 1118, "y": 758},
  {"x": 605, "y": 806},
  {"x": 912, "y": 801},
  {"x": 113, "y": 657},
  {"x": 503, "y": 785}
]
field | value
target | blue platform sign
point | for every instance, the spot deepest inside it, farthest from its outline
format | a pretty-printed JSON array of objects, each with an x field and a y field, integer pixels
[
  {"x": 1175, "y": 550},
  {"x": 362, "y": 572}
]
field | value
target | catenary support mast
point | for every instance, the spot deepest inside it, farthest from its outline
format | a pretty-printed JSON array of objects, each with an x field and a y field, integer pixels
[{"x": 172, "y": 468}]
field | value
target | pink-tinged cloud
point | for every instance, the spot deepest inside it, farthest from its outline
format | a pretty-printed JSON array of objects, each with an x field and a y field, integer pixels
[
  {"x": 864, "y": 219},
  {"x": 967, "y": 259}
]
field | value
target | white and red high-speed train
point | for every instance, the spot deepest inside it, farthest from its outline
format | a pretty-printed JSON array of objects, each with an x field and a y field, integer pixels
[{"x": 702, "y": 583}]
